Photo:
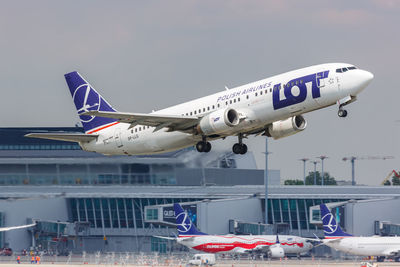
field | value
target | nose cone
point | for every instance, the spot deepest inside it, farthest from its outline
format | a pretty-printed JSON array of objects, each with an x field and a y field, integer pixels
[
  {"x": 360, "y": 80},
  {"x": 367, "y": 77}
]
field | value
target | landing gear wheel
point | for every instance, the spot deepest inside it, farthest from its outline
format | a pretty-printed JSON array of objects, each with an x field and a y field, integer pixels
[
  {"x": 239, "y": 148},
  {"x": 203, "y": 146},
  {"x": 207, "y": 147},
  {"x": 200, "y": 146},
  {"x": 342, "y": 113}
]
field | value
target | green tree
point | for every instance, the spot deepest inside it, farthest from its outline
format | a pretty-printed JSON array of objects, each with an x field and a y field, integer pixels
[
  {"x": 294, "y": 182},
  {"x": 328, "y": 180}
]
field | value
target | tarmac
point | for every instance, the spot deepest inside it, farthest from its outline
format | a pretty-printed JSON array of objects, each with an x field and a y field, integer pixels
[{"x": 284, "y": 263}]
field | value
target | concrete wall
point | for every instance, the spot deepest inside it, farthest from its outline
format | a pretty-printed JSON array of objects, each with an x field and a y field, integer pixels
[
  {"x": 360, "y": 216},
  {"x": 213, "y": 217},
  {"x": 16, "y": 212}
]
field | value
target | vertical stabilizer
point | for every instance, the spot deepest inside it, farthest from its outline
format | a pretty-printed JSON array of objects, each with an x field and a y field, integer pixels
[
  {"x": 184, "y": 224},
  {"x": 331, "y": 227},
  {"x": 86, "y": 98}
]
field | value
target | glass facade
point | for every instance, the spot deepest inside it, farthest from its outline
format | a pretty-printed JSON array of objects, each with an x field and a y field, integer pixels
[
  {"x": 88, "y": 174},
  {"x": 116, "y": 213},
  {"x": 294, "y": 212}
]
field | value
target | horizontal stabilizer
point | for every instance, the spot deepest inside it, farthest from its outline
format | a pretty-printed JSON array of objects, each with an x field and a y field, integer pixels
[
  {"x": 165, "y": 237},
  {"x": 3, "y": 229},
  {"x": 69, "y": 137}
]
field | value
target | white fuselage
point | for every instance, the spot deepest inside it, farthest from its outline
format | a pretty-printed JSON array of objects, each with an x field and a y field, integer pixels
[
  {"x": 367, "y": 246},
  {"x": 244, "y": 243},
  {"x": 253, "y": 101}
]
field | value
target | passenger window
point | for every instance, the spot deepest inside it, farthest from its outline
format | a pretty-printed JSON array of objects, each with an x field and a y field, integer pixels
[
  {"x": 239, "y": 99},
  {"x": 266, "y": 90},
  {"x": 230, "y": 101},
  {"x": 260, "y": 92},
  {"x": 132, "y": 131},
  {"x": 199, "y": 111},
  {"x": 204, "y": 109},
  {"x": 226, "y": 103},
  {"x": 218, "y": 105},
  {"x": 213, "y": 107},
  {"x": 140, "y": 128},
  {"x": 208, "y": 108},
  {"x": 135, "y": 130},
  {"x": 234, "y": 100},
  {"x": 195, "y": 112},
  {"x": 255, "y": 94},
  {"x": 186, "y": 114},
  {"x": 191, "y": 113},
  {"x": 247, "y": 96},
  {"x": 270, "y": 90}
]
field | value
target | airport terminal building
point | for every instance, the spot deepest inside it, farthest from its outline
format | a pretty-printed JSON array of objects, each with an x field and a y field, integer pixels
[{"x": 83, "y": 201}]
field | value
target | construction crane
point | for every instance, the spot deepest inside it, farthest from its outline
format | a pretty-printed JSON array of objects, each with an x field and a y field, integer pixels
[
  {"x": 389, "y": 176},
  {"x": 353, "y": 158}
]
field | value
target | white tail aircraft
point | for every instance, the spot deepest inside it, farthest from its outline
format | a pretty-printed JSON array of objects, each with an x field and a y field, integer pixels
[
  {"x": 271, "y": 107},
  {"x": 379, "y": 246}
]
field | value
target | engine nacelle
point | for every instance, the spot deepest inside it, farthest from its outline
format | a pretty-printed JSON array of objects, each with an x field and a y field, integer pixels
[
  {"x": 276, "y": 252},
  {"x": 290, "y": 126},
  {"x": 218, "y": 121}
]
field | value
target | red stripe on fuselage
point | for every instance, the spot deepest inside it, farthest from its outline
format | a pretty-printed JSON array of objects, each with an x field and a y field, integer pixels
[
  {"x": 104, "y": 127},
  {"x": 224, "y": 247}
]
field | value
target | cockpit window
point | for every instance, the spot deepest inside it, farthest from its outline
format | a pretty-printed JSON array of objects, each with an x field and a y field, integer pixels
[{"x": 345, "y": 69}]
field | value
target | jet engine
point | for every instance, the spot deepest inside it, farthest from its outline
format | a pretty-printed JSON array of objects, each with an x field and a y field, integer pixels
[
  {"x": 276, "y": 252},
  {"x": 218, "y": 121},
  {"x": 290, "y": 126}
]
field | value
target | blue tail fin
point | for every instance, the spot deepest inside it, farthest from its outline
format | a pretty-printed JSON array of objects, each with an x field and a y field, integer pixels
[
  {"x": 86, "y": 98},
  {"x": 331, "y": 227},
  {"x": 184, "y": 225}
]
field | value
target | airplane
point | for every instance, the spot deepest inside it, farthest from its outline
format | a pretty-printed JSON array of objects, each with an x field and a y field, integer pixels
[
  {"x": 276, "y": 247},
  {"x": 271, "y": 107},
  {"x": 379, "y": 246}
]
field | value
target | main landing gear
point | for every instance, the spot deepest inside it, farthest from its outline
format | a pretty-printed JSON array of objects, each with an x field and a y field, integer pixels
[
  {"x": 342, "y": 112},
  {"x": 203, "y": 146},
  {"x": 239, "y": 148}
]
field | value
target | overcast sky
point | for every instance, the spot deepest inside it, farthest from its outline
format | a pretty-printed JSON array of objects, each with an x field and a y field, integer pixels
[{"x": 145, "y": 55}]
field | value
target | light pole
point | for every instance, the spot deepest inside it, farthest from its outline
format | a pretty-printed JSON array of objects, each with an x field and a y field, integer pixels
[
  {"x": 266, "y": 180},
  {"x": 322, "y": 168},
  {"x": 315, "y": 171},
  {"x": 304, "y": 169}
]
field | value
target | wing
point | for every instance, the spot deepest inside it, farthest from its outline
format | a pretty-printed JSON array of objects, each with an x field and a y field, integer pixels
[
  {"x": 3, "y": 229},
  {"x": 70, "y": 137},
  {"x": 173, "y": 122},
  {"x": 165, "y": 237}
]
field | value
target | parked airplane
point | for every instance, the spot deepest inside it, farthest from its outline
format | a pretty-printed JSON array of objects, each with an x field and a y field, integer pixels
[
  {"x": 380, "y": 246},
  {"x": 272, "y": 107},
  {"x": 276, "y": 247}
]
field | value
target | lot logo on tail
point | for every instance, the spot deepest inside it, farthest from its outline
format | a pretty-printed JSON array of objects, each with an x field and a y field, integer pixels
[
  {"x": 331, "y": 225},
  {"x": 91, "y": 101},
  {"x": 185, "y": 224},
  {"x": 86, "y": 98}
]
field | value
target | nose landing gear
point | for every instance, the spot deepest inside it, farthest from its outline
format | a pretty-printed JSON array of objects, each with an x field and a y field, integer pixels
[
  {"x": 239, "y": 148},
  {"x": 342, "y": 112}
]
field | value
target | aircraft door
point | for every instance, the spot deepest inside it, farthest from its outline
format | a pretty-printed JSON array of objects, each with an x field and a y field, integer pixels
[{"x": 118, "y": 138}]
